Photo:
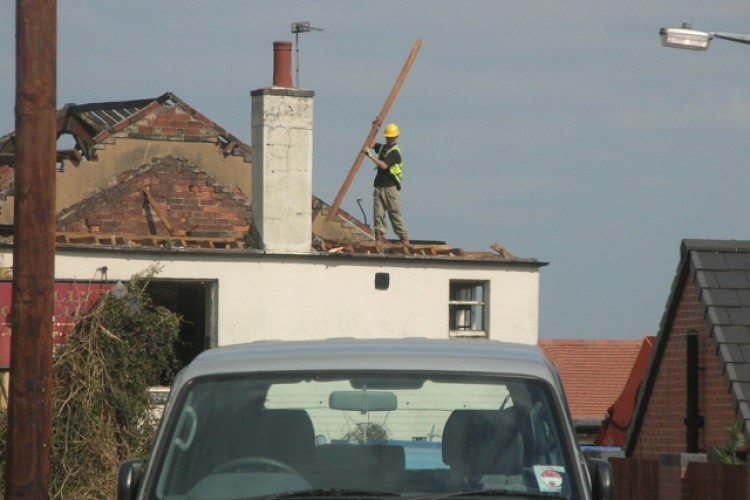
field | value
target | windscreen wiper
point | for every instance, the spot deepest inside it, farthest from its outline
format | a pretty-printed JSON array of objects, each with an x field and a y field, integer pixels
[
  {"x": 510, "y": 494},
  {"x": 334, "y": 493}
]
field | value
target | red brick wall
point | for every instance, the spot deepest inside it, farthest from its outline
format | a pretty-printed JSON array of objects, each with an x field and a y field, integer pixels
[
  {"x": 662, "y": 429},
  {"x": 174, "y": 123},
  {"x": 190, "y": 198},
  {"x": 7, "y": 179}
]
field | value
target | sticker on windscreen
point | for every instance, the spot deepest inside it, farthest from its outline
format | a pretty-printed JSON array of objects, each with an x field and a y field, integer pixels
[{"x": 549, "y": 477}]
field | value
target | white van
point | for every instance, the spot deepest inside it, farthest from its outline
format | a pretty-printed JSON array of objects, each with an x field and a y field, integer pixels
[{"x": 345, "y": 418}]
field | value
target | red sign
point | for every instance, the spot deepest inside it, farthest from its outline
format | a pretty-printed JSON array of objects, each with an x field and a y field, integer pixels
[{"x": 72, "y": 301}]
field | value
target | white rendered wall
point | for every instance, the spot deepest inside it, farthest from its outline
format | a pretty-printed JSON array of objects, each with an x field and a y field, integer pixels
[
  {"x": 267, "y": 297},
  {"x": 281, "y": 127}
]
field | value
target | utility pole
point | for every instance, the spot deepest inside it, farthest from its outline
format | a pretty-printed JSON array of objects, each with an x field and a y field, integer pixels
[{"x": 30, "y": 395}]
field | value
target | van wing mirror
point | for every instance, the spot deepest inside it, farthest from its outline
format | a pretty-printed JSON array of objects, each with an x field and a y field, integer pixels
[
  {"x": 129, "y": 478},
  {"x": 601, "y": 478},
  {"x": 362, "y": 401}
]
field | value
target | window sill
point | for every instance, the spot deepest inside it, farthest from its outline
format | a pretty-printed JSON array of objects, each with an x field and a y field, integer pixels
[{"x": 468, "y": 333}]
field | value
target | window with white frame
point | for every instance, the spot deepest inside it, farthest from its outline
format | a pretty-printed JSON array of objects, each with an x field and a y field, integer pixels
[{"x": 467, "y": 308}]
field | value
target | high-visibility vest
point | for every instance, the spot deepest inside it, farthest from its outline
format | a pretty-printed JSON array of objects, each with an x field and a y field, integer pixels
[{"x": 396, "y": 170}]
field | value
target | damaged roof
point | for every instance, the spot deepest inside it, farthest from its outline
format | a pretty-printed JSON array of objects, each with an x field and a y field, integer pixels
[
  {"x": 94, "y": 127},
  {"x": 92, "y": 124}
]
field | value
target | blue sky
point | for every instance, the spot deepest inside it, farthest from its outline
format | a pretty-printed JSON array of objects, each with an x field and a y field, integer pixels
[{"x": 561, "y": 130}]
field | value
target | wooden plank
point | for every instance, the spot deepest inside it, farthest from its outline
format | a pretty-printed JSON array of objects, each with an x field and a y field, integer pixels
[
  {"x": 159, "y": 212},
  {"x": 374, "y": 129},
  {"x": 154, "y": 240}
]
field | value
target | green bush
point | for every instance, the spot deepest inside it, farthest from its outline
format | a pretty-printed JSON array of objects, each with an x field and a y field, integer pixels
[
  {"x": 727, "y": 454},
  {"x": 3, "y": 433},
  {"x": 101, "y": 376}
]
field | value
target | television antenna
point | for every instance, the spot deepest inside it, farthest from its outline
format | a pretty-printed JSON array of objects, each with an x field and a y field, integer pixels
[{"x": 297, "y": 28}]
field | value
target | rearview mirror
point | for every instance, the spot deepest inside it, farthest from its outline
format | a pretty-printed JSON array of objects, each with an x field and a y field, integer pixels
[{"x": 362, "y": 401}]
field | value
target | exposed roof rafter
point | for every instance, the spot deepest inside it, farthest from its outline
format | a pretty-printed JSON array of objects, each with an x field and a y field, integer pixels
[{"x": 91, "y": 124}]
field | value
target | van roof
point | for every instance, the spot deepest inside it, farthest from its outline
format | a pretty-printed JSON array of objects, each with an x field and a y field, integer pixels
[{"x": 412, "y": 354}]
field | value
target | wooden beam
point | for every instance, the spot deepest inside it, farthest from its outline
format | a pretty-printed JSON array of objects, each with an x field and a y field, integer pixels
[
  {"x": 159, "y": 212},
  {"x": 374, "y": 129},
  {"x": 74, "y": 238}
]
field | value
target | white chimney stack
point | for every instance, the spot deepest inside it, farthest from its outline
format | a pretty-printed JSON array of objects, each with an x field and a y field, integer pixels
[{"x": 281, "y": 129}]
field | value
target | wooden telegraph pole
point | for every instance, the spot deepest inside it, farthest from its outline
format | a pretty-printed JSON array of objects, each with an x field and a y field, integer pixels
[
  {"x": 374, "y": 130},
  {"x": 30, "y": 395}
]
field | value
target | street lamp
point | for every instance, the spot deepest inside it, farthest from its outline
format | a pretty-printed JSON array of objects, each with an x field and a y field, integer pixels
[{"x": 690, "y": 39}]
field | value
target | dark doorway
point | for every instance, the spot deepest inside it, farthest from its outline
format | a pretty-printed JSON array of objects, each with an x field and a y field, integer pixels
[{"x": 194, "y": 301}]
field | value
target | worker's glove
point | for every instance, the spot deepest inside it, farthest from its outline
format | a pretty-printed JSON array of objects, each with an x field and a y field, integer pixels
[{"x": 369, "y": 152}]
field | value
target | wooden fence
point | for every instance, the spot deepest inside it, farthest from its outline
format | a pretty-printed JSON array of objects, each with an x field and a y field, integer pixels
[{"x": 636, "y": 479}]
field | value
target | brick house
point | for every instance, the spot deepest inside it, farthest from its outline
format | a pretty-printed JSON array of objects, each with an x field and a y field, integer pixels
[
  {"x": 698, "y": 377},
  {"x": 246, "y": 250},
  {"x": 127, "y": 145}
]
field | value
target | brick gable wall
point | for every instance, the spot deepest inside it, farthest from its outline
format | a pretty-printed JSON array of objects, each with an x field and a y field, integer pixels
[
  {"x": 7, "y": 181},
  {"x": 191, "y": 199},
  {"x": 662, "y": 429},
  {"x": 173, "y": 124}
]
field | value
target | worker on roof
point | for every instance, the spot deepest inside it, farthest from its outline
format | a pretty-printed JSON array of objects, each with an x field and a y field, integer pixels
[{"x": 386, "y": 198}]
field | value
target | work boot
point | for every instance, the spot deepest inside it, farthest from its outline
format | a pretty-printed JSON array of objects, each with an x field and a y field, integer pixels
[
  {"x": 378, "y": 242},
  {"x": 405, "y": 243}
]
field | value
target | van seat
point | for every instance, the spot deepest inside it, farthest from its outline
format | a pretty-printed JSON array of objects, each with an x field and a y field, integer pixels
[
  {"x": 280, "y": 434},
  {"x": 482, "y": 442},
  {"x": 371, "y": 467}
]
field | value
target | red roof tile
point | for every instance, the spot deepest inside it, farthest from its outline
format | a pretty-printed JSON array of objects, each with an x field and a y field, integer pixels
[{"x": 593, "y": 372}]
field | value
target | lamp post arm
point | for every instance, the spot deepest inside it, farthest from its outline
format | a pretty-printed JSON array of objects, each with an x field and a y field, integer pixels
[{"x": 732, "y": 37}]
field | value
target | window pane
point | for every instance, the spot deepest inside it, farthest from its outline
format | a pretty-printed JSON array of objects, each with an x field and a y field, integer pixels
[
  {"x": 466, "y": 317},
  {"x": 466, "y": 308},
  {"x": 463, "y": 292},
  {"x": 460, "y": 317},
  {"x": 476, "y": 318}
]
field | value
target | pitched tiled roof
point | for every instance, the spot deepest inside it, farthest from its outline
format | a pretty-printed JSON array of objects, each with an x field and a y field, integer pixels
[
  {"x": 593, "y": 372},
  {"x": 720, "y": 270}
]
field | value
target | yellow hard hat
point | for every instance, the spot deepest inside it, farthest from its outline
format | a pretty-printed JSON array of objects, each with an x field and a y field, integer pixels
[{"x": 391, "y": 130}]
